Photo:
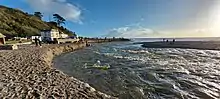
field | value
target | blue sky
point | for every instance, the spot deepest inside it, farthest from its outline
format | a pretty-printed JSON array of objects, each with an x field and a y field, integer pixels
[{"x": 131, "y": 18}]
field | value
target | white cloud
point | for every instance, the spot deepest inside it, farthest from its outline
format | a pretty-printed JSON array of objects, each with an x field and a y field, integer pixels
[
  {"x": 131, "y": 32},
  {"x": 69, "y": 11}
]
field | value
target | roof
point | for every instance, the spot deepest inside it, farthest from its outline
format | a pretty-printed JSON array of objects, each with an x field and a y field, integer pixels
[
  {"x": 45, "y": 30},
  {"x": 2, "y": 36},
  {"x": 48, "y": 30}
]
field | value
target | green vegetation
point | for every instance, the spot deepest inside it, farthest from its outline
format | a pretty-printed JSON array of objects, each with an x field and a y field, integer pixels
[
  {"x": 38, "y": 14},
  {"x": 59, "y": 19},
  {"x": 14, "y": 22}
]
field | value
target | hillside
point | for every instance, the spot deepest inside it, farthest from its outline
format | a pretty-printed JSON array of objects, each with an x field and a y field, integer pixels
[{"x": 14, "y": 22}]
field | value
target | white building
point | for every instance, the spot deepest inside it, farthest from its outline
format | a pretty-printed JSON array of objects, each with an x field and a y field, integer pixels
[
  {"x": 50, "y": 35},
  {"x": 62, "y": 35},
  {"x": 20, "y": 38},
  {"x": 34, "y": 37}
]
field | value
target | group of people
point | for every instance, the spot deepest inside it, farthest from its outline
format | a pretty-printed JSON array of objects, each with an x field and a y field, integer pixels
[
  {"x": 168, "y": 40},
  {"x": 38, "y": 41}
]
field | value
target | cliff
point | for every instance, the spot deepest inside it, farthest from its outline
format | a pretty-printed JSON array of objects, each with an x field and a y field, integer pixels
[{"x": 15, "y": 22}]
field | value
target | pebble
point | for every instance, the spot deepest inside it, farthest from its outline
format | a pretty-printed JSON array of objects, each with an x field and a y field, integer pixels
[{"x": 24, "y": 68}]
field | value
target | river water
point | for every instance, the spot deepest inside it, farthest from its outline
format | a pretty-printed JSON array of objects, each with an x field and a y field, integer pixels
[{"x": 132, "y": 72}]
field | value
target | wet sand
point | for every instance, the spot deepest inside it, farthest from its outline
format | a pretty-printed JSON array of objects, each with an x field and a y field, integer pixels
[
  {"x": 27, "y": 73},
  {"x": 203, "y": 45}
]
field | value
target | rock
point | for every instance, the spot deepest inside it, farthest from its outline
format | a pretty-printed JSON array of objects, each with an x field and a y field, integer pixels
[{"x": 88, "y": 87}]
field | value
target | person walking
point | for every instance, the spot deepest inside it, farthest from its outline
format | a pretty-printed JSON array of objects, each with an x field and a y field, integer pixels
[
  {"x": 40, "y": 41},
  {"x": 163, "y": 39},
  {"x": 174, "y": 40},
  {"x": 36, "y": 41}
]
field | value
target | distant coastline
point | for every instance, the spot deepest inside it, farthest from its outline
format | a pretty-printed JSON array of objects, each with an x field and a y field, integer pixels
[
  {"x": 177, "y": 39},
  {"x": 203, "y": 45}
]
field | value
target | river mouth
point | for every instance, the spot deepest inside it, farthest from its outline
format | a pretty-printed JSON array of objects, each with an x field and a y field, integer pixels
[{"x": 129, "y": 71}]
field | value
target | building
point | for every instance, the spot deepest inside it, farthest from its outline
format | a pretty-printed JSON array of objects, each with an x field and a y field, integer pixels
[
  {"x": 34, "y": 37},
  {"x": 62, "y": 35},
  {"x": 2, "y": 39},
  {"x": 50, "y": 35},
  {"x": 21, "y": 38}
]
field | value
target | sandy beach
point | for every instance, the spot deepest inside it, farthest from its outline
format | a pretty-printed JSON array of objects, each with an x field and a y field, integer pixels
[
  {"x": 203, "y": 45},
  {"x": 27, "y": 73}
]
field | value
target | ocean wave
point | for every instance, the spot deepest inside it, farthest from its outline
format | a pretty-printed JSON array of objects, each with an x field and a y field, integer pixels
[{"x": 137, "y": 72}]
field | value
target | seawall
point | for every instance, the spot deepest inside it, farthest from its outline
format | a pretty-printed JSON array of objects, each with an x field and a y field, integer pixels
[{"x": 28, "y": 73}]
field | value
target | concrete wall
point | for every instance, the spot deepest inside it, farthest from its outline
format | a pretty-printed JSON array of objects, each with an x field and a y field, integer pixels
[{"x": 8, "y": 47}]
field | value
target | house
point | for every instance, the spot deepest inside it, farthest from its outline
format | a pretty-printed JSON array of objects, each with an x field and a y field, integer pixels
[
  {"x": 62, "y": 35},
  {"x": 20, "y": 38},
  {"x": 2, "y": 39},
  {"x": 23, "y": 39},
  {"x": 34, "y": 37},
  {"x": 50, "y": 35}
]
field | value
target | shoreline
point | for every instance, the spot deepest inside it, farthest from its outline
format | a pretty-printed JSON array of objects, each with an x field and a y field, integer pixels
[
  {"x": 202, "y": 45},
  {"x": 28, "y": 73}
]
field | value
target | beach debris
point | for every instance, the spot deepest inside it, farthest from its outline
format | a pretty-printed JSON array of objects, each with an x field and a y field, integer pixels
[
  {"x": 103, "y": 67},
  {"x": 98, "y": 65}
]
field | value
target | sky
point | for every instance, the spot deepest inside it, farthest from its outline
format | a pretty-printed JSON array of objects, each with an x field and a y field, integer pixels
[{"x": 130, "y": 18}]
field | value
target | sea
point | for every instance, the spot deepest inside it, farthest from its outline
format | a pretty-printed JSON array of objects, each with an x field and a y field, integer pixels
[{"x": 129, "y": 71}]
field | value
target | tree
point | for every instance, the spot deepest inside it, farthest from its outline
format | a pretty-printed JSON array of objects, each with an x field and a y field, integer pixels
[
  {"x": 59, "y": 19},
  {"x": 52, "y": 23},
  {"x": 38, "y": 15},
  {"x": 74, "y": 34}
]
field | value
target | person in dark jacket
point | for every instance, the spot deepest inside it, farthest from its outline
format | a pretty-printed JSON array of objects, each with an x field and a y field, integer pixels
[
  {"x": 174, "y": 40},
  {"x": 36, "y": 41}
]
